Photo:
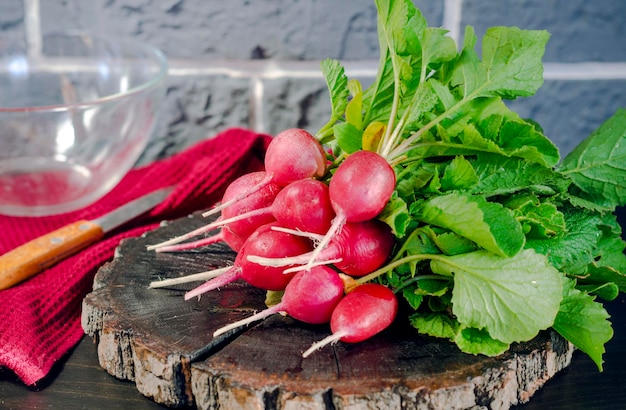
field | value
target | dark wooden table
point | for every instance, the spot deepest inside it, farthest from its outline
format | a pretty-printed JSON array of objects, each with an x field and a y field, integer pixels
[{"x": 78, "y": 382}]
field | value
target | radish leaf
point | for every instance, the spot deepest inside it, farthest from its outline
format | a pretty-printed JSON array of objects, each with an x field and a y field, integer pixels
[
  {"x": 459, "y": 174},
  {"x": 354, "y": 107},
  {"x": 576, "y": 248},
  {"x": 539, "y": 219},
  {"x": 597, "y": 166},
  {"x": 511, "y": 65},
  {"x": 488, "y": 224},
  {"x": 396, "y": 215},
  {"x": 607, "y": 291},
  {"x": 348, "y": 137},
  {"x": 435, "y": 324},
  {"x": 513, "y": 298},
  {"x": 605, "y": 274},
  {"x": 584, "y": 322},
  {"x": 500, "y": 175},
  {"x": 337, "y": 83},
  {"x": 477, "y": 341},
  {"x": 479, "y": 192},
  {"x": 523, "y": 140}
]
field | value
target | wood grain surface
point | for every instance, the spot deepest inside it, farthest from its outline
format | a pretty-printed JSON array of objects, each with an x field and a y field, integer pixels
[{"x": 164, "y": 344}]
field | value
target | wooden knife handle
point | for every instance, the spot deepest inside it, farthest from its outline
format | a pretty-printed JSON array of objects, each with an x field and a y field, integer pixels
[{"x": 33, "y": 257}]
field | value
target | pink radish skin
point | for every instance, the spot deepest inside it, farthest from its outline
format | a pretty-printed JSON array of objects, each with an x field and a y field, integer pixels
[
  {"x": 366, "y": 311},
  {"x": 291, "y": 155},
  {"x": 362, "y": 186},
  {"x": 264, "y": 241},
  {"x": 363, "y": 247},
  {"x": 358, "y": 249},
  {"x": 261, "y": 198},
  {"x": 309, "y": 297},
  {"x": 359, "y": 190},
  {"x": 234, "y": 241},
  {"x": 294, "y": 154},
  {"x": 302, "y": 205}
]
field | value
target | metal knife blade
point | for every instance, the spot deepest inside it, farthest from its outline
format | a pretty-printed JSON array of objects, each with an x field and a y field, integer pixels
[
  {"x": 131, "y": 210},
  {"x": 41, "y": 253}
]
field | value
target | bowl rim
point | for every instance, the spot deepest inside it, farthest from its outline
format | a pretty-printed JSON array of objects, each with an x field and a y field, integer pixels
[{"x": 155, "y": 81}]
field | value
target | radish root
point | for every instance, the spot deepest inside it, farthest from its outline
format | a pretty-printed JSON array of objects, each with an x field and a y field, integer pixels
[
  {"x": 315, "y": 263},
  {"x": 265, "y": 181},
  {"x": 191, "y": 245},
  {"x": 244, "y": 322},
  {"x": 338, "y": 223},
  {"x": 331, "y": 339},
  {"x": 178, "y": 239},
  {"x": 230, "y": 275},
  {"x": 313, "y": 236},
  {"x": 196, "y": 277}
]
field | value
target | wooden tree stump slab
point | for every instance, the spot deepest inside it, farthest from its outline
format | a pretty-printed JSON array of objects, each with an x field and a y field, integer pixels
[{"x": 165, "y": 345}]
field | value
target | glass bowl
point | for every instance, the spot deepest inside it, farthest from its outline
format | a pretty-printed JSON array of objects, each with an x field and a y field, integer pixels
[{"x": 76, "y": 112}]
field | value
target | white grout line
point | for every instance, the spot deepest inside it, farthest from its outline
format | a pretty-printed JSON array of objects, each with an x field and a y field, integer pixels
[
  {"x": 266, "y": 69},
  {"x": 272, "y": 69},
  {"x": 452, "y": 10},
  {"x": 256, "y": 103},
  {"x": 259, "y": 70},
  {"x": 263, "y": 69},
  {"x": 32, "y": 26},
  {"x": 584, "y": 71}
]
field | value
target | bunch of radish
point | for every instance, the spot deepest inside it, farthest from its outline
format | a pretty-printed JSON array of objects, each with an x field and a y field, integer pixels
[
  {"x": 427, "y": 186},
  {"x": 307, "y": 227}
]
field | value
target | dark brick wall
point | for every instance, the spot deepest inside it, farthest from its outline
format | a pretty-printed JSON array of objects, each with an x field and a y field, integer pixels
[
  {"x": 256, "y": 63},
  {"x": 582, "y": 30}
]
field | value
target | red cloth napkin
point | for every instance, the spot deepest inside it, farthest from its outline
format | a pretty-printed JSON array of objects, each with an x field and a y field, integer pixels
[{"x": 40, "y": 318}]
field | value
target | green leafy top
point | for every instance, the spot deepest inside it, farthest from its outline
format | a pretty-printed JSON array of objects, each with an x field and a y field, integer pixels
[
  {"x": 597, "y": 166},
  {"x": 495, "y": 240}
]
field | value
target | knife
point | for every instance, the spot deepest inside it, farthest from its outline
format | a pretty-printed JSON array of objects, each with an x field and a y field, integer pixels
[{"x": 41, "y": 253}]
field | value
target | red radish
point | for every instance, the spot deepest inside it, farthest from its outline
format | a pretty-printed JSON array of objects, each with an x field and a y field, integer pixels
[
  {"x": 302, "y": 205},
  {"x": 232, "y": 239},
  {"x": 367, "y": 310},
  {"x": 294, "y": 154},
  {"x": 263, "y": 241},
  {"x": 309, "y": 297},
  {"x": 358, "y": 249},
  {"x": 291, "y": 155},
  {"x": 359, "y": 190},
  {"x": 362, "y": 186},
  {"x": 261, "y": 198}
]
